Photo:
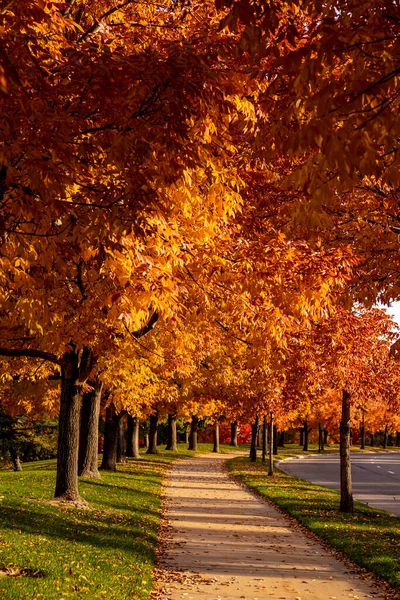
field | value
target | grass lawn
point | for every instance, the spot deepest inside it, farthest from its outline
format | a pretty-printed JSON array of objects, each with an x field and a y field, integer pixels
[
  {"x": 370, "y": 537},
  {"x": 107, "y": 552}
]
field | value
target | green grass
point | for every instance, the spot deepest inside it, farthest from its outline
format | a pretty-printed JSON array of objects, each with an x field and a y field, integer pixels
[
  {"x": 107, "y": 552},
  {"x": 370, "y": 537}
]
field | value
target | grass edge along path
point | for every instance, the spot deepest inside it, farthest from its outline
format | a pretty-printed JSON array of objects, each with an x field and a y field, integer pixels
[
  {"x": 50, "y": 552},
  {"x": 370, "y": 538}
]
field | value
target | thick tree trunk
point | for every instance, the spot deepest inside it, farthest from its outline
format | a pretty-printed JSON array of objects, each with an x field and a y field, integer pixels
[
  {"x": 320, "y": 437},
  {"x": 171, "y": 432},
  {"x": 121, "y": 450},
  {"x": 234, "y": 434},
  {"x": 326, "y": 433},
  {"x": 132, "y": 446},
  {"x": 73, "y": 374},
  {"x": 385, "y": 438},
  {"x": 152, "y": 448},
  {"x": 109, "y": 462},
  {"x": 301, "y": 443},
  {"x": 216, "y": 438},
  {"x": 89, "y": 433},
  {"x": 306, "y": 432},
  {"x": 346, "y": 492},
  {"x": 253, "y": 445},
  {"x": 193, "y": 433},
  {"x": 271, "y": 445},
  {"x": 15, "y": 459},
  {"x": 264, "y": 439},
  {"x": 362, "y": 437}
]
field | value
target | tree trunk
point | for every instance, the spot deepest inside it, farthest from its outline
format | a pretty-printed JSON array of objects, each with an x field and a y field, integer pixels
[
  {"x": 152, "y": 448},
  {"x": 109, "y": 462},
  {"x": 301, "y": 436},
  {"x": 253, "y": 445},
  {"x": 306, "y": 432},
  {"x": 320, "y": 437},
  {"x": 216, "y": 438},
  {"x": 186, "y": 435},
  {"x": 73, "y": 373},
  {"x": 171, "y": 432},
  {"x": 121, "y": 451},
  {"x": 193, "y": 433},
  {"x": 15, "y": 458},
  {"x": 259, "y": 437},
  {"x": 346, "y": 495},
  {"x": 372, "y": 440},
  {"x": 89, "y": 433},
  {"x": 275, "y": 442},
  {"x": 397, "y": 438},
  {"x": 326, "y": 433},
  {"x": 362, "y": 432},
  {"x": 234, "y": 434},
  {"x": 385, "y": 438},
  {"x": 132, "y": 446},
  {"x": 271, "y": 445},
  {"x": 281, "y": 441},
  {"x": 264, "y": 439}
]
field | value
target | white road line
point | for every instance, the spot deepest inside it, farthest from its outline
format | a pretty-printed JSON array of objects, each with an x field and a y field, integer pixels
[
  {"x": 379, "y": 467},
  {"x": 392, "y": 472}
]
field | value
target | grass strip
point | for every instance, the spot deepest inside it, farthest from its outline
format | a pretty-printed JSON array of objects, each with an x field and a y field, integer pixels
[
  {"x": 107, "y": 552},
  {"x": 370, "y": 537}
]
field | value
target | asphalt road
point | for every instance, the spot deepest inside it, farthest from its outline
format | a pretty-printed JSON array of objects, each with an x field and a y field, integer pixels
[{"x": 376, "y": 476}]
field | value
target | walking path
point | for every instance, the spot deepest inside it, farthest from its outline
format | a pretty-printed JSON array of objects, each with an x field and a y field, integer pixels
[{"x": 221, "y": 542}]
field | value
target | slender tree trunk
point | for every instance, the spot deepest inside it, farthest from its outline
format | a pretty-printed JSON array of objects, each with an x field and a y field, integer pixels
[
  {"x": 372, "y": 440},
  {"x": 346, "y": 493},
  {"x": 362, "y": 432},
  {"x": 73, "y": 374},
  {"x": 193, "y": 433},
  {"x": 186, "y": 435},
  {"x": 152, "y": 449},
  {"x": 306, "y": 432},
  {"x": 264, "y": 439},
  {"x": 253, "y": 445},
  {"x": 271, "y": 445},
  {"x": 15, "y": 458},
  {"x": 320, "y": 437},
  {"x": 275, "y": 441},
  {"x": 326, "y": 433},
  {"x": 281, "y": 441},
  {"x": 132, "y": 448},
  {"x": 259, "y": 437},
  {"x": 171, "y": 432},
  {"x": 216, "y": 438},
  {"x": 121, "y": 450},
  {"x": 89, "y": 433},
  {"x": 234, "y": 434},
  {"x": 385, "y": 438},
  {"x": 109, "y": 462},
  {"x": 301, "y": 443}
]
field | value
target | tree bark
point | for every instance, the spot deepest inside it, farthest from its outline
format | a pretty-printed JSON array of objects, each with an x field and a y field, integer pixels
[
  {"x": 397, "y": 438},
  {"x": 152, "y": 448},
  {"x": 121, "y": 450},
  {"x": 326, "y": 433},
  {"x": 264, "y": 439},
  {"x": 385, "y": 438},
  {"x": 372, "y": 440},
  {"x": 346, "y": 495},
  {"x": 306, "y": 432},
  {"x": 74, "y": 372},
  {"x": 132, "y": 447},
  {"x": 281, "y": 441},
  {"x": 234, "y": 434},
  {"x": 275, "y": 442},
  {"x": 271, "y": 445},
  {"x": 109, "y": 462},
  {"x": 216, "y": 438},
  {"x": 89, "y": 433},
  {"x": 193, "y": 433},
  {"x": 253, "y": 445},
  {"x": 171, "y": 432},
  {"x": 320, "y": 437},
  {"x": 15, "y": 459},
  {"x": 301, "y": 443},
  {"x": 362, "y": 432}
]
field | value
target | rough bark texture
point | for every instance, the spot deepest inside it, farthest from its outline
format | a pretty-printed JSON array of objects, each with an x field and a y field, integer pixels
[
  {"x": 346, "y": 495},
  {"x": 89, "y": 433},
  {"x": 171, "y": 433},
  {"x": 121, "y": 450},
  {"x": 193, "y": 433},
  {"x": 216, "y": 438},
  {"x": 385, "y": 438},
  {"x": 253, "y": 445},
  {"x": 264, "y": 439},
  {"x": 132, "y": 446},
  {"x": 234, "y": 434},
  {"x": 152, "y": 448},
  {"x": 15, "y": 459},
  {"x": 68, "y": 430},
  {"x": 271, "y": 445},
  {"x": 305, "y": 434},
  {"x": 109, "y": 462}
]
